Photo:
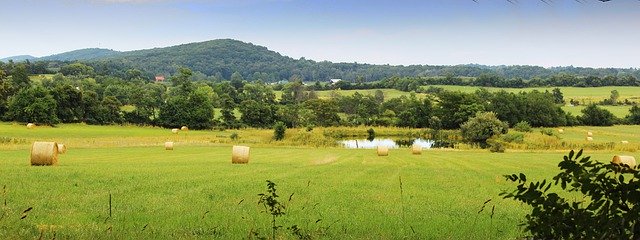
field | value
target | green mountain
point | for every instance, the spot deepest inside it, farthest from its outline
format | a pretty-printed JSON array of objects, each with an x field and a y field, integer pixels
[
  {"x": 81, "y": 54},
  {"x": 19, "y": 58},
  {"x": 223, "y": 57}
]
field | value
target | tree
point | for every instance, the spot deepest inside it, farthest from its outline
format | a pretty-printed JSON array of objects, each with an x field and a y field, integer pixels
[
  {"x": 613, "y": 98},
  {"x": 558, "y": 98},
  {"x": 69, "y": 103},
  {"x": 228, "y": 106},
  {"x": 33, "y": 104},
  {"x": 77, "y": 69},
  {"x": 20, "y": 77},
  {"x": 278, "y": 131},
  {"x": 257, "y": 114},
  {"x": 593, "y": 115},
  {"x": 187, "y": 105},
  {"x": 324, "y": 112},
  {"x": 634, "y": 115},
  {"x": 455, "y": 108},
  {"x": 482, "y": 127},
  {"x": 182, "y": 81}
]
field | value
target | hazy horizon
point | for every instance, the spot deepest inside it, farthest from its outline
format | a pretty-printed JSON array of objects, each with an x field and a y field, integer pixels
[{"x": 567, "y": 33}]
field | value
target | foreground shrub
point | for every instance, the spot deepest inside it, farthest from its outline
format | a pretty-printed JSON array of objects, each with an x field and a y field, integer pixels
[{"x": 607, "y": 209}]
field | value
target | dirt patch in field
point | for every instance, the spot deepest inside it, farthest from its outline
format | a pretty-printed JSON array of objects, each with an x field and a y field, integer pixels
[{"x": 324, "y": 160}]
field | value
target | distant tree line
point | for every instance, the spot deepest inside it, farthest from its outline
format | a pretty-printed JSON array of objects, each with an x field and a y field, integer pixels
[{"x": 78, "y": 94}]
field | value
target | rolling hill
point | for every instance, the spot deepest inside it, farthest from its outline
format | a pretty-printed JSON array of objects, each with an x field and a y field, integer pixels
[{"x": 223, "y": 57}]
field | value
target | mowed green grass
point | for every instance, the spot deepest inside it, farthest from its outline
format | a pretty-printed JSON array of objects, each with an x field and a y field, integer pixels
[
  {"x": 586, "y": 95},
  {"x": 195, "y": 192}
]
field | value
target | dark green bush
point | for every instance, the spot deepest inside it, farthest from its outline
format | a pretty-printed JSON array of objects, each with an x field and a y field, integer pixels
[
  {"x": 607, "y": 205},
  {"x": 522, "y": 127}
]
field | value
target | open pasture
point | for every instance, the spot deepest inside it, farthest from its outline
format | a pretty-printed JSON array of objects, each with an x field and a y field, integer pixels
[
  {"x": 584, "y": 95},
  {"x": 195, "y": 192},
  {"x": 620, "y": 111}
]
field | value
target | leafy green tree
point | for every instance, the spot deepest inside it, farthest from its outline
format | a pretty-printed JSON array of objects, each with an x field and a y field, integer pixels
[
  {"x": 540, "y": 110},
  {"x": 613, "y": 98},
  {"x": 91, "y": 109},
  {"x": 324, "y": 112},
  {"x": 257, "y": 114},
  {"x": 290, "y": 115},
  {"x": 6, "y": 90},
  {"x": 182, "y": 81},
  {"x": 20, "y": 77},
  {"x": 379, "y": 96},
  {"x": 187, "y": 105},
  {"x": 592, "y": 115},
  {"x": 110, "y": 111},
  {"x": 278, "y": 131},
  {"x": 228, "y": 106},
  {"x": 33, "y": 104},
  {"x": 292, "y": 93},
  {"x": 558, "y": 97},
  {"x": 482, "y": 127},
  {"x": 69, "y": 103},
  {"x": 77, "y": 69},
  {"x": 634, "y": 115},
  {"x": 455, "y": 108},
  {"x": 194, "y": 110}
]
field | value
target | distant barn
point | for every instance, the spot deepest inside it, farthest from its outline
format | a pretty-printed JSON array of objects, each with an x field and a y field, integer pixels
[
  {"x": 334, "y": 80},
  {"x": 159, "y": 78}
]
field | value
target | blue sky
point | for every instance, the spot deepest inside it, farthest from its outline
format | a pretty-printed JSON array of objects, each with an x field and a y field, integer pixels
[{"x": 438, "y": 32}]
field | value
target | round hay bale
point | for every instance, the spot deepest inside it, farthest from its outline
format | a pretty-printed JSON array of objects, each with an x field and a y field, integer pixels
[
  {"x": 561, "y": 130},
  {"x": 240, "y": 154},
  {"x": 589, "y": 139},
  {"x": 184, "y": 128},
  {"x": 383, "y": 151},
  {"x": 175, "y": 130},
  {"x": 416, "y": 149},
  {"x": 168, "y": 146},
  {"x": 589, "y": 134},
  {"x": 44, "y": 153},
  {"x": 624, "y": 142},
  {"x": 624, "y": 160},
  {"x": 30, "y": 125},
  {"x": 62, "y": 149}
]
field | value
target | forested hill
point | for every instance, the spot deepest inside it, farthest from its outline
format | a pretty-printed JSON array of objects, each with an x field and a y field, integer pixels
[
  {"x": 19, "y": 58},
  {"x": 81, "y": 54},
  {"x": 223, "y": 57}
]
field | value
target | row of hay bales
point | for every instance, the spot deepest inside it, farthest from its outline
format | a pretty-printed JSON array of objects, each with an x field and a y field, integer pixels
[
  {"x": 46, "y": 153},
  {"x": 384, "y": 150},
  {"x": 590, "y": 136},
  {"x": 177, "y": 130}
]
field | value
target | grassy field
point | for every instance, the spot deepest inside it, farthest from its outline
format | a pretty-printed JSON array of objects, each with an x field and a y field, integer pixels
[
  {"x": 586, "y": 95},
  {"x": 194, "y": 191},
  {"x": 388, "y": 93},
  {"x": 618, "y": 111}
]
